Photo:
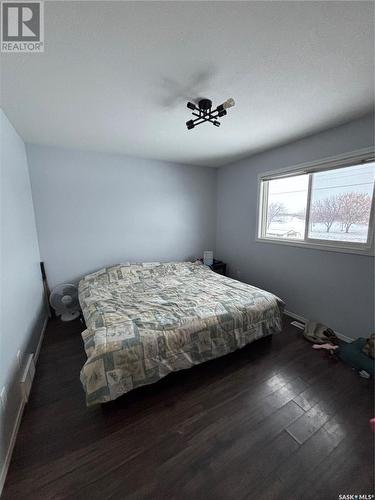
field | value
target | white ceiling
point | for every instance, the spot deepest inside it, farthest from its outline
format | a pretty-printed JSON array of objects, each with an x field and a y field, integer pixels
[{"x": 116, "y": 76}]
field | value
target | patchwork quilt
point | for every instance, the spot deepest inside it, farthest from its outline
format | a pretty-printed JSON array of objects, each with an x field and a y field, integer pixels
[{"x": 147, "y": 320}]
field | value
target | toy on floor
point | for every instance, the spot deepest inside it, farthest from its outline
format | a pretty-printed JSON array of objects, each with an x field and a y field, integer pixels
[
  {"x": 358, "y": 354},
  {"x": 369, "y": 347},
  {"x": 319, "y": 333},
  {"x": 353, "y": 355},
  {"x": 328, "y": 347}
]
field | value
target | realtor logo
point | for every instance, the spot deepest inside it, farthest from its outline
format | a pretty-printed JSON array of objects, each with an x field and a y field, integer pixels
[{"x": 22, "y": 26}]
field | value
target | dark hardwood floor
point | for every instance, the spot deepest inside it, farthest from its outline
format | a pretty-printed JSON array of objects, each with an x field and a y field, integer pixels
[{"x": 275, "y": 420}]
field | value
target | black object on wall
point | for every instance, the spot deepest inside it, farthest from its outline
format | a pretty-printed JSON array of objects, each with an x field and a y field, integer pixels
[{"x": 46, "y": 289}]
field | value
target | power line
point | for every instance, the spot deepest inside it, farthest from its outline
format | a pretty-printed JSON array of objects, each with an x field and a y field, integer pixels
[
  {"x": 343, "y": 185},
  {"x": 319, "y": 189}
]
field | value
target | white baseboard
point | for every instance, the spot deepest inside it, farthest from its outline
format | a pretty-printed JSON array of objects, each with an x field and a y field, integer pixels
[
  {"x": 301, "y": 319},
  {"x": 18, "y": 418},
  {"x": 12, "y": 442},
  {"x": 343, "y": 337},
  {"x": 38, "y": 347},
  {"x": 295, "y": 316}
]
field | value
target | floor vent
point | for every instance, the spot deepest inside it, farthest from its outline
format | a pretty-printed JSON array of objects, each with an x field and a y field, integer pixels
[
  {"x": 297, "y": 324},
  {"x": 27, "y": 377}
]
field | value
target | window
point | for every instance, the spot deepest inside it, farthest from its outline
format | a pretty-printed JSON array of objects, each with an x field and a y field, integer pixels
[{"x": 330, "y": 204}]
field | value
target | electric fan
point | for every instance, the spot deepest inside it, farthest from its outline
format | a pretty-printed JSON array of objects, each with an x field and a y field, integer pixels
[{"x": 64, "y": 300}]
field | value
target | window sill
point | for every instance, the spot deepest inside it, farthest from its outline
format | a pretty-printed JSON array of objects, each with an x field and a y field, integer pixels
[{"x": 369, "y": 251}]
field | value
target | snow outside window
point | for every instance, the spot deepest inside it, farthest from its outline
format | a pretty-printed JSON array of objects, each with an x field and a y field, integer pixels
[{"x": 328, "y": 206}]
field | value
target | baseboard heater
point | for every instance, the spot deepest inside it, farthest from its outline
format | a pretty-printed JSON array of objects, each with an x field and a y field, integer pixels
[{"x": 27, "y": 377}]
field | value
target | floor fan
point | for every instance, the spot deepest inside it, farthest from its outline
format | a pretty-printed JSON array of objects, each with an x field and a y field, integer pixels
[{"x": 64, "y": 300}]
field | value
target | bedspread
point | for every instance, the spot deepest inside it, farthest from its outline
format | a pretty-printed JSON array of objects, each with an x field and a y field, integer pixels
[{"x": 147, "y": 320}]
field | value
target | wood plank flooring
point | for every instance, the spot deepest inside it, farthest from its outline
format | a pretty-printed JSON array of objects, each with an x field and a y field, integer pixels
[{"x": 275, "y": 420}]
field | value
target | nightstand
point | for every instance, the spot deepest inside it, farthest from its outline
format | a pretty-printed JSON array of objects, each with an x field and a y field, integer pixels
[{"x": 219, "y": 267}]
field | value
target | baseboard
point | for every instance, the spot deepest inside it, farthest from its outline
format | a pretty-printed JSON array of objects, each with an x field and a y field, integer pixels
[
  {"x": 295, "y": 316},
  {"x": 38, "y": 347},
  {"x": 301, "y": 319},
  {"x": 18, "y": 419},
  {"x": 12, "y": 442}
]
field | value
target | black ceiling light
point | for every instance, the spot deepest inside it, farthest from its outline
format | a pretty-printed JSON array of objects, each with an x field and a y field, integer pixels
[{"x": 205, "y": 113}]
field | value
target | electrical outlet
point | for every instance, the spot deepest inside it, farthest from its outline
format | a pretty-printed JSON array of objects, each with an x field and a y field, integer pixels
[{"x": 3, "y": 398}]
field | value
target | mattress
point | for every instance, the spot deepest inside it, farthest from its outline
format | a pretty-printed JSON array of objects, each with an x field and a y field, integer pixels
[{"x": 145, "y": 321}]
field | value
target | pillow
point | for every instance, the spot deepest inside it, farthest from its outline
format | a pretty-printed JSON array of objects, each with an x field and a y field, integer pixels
[{"x": 95, "y": 274}]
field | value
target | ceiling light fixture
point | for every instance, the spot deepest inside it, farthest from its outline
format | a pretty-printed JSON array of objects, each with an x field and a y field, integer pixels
[{"x": 205, "y": 113}]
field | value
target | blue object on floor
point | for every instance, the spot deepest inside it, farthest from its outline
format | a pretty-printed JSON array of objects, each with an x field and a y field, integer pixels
[{"x": 352, "y": 355}]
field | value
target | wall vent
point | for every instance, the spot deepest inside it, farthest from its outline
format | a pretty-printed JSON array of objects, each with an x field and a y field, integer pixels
[
  {"x": 298, "y": 324},
  {"x": 27, "y": 377}
]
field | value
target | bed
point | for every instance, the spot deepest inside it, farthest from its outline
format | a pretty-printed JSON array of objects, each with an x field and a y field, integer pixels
[{"x": 144, "y": 321}]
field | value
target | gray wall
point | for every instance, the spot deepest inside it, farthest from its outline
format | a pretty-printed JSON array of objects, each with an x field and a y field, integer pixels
[
  {"x": 331, "y": 287},
  {"x": 97, "y": 209},
  {"x": 22, "y": 312}
]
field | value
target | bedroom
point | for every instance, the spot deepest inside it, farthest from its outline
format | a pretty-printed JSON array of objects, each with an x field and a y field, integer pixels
[{"x": 202, "y": 175}]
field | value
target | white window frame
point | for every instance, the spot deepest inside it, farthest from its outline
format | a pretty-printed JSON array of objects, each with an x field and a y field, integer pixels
[{"x": 339, "y": 161}]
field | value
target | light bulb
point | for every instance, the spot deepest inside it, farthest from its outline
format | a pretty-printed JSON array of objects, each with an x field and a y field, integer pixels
[{"x": 229, "y": 103}]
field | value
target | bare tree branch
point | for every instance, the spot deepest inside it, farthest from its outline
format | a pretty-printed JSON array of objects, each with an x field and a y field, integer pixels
[
  {"x": 274, "y": 209},
  {"x": 326, "y": 211},
  {"x": 355, "y": 209}
]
